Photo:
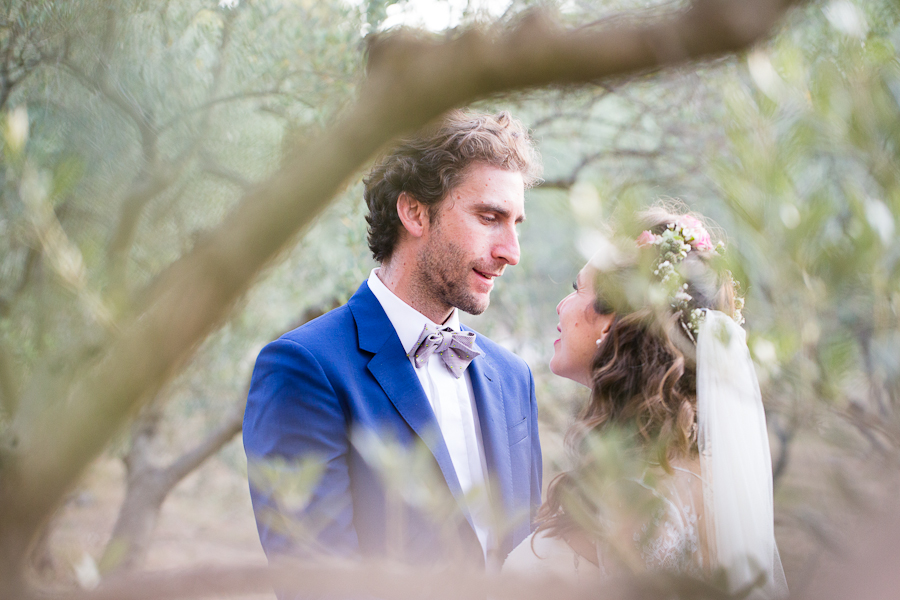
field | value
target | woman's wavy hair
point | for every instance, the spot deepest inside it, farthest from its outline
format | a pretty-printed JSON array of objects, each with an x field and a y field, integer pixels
[
  {"x": 432, "y": 162},
  {"x": 643, "y": 372}
]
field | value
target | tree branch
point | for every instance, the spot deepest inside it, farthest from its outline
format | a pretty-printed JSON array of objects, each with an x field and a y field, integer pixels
[
  {"x": 15, "y": 67},
  {"x": 32, "y": 260},
  {"x": 551, "y": 118},
  {"x": 9, "y": 385},
  {"x": 236, "y": 97},
  {"x": 211, "y": 444},
  {"x": 147, "y": 186},
  {"x": 865, "y": 570},
  {"x": 785, "y": 437},
  {"x": 410, "y": 82},
  {"x": 210, "y": 166},
  {"x": 150, "y": 181},
  {"x": 6, "y": 83},
  {"x": 213, "y": 90},
  {"x": 139, "y": 118},
  {"x": 389, "y": 581},
  {"x": 143, "y": 431},
  {"x": 107, "y": 39},
  {"x": 154, "y": 177},
  {"x": 565, "y": 183}
]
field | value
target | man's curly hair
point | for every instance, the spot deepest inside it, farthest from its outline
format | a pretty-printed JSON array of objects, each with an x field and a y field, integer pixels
[{"x": 429, "y": 164}]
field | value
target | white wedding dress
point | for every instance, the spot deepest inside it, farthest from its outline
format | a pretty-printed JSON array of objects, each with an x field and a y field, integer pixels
[{"x": 672, "y": 539}]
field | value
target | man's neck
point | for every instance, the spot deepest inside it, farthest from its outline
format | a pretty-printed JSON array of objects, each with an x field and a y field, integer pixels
[{"x": 403, "y": 283}]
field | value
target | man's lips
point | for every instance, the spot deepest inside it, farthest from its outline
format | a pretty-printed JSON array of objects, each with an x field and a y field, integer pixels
[{"x": 487, "y": 275}]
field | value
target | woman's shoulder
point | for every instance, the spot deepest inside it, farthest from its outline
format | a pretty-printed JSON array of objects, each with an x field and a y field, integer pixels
[{"x": 543, "y": 553}]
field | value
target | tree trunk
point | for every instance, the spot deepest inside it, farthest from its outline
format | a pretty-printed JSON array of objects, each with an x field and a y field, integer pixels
[
  {"x": 42, "y": 559},
  {"x": 14, "y": 550},
  {"x": 130, "y": 539},
  {"x": 147, "y": 486}
]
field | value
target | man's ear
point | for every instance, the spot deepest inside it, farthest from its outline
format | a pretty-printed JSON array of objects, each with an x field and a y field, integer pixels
[{"x": 413, "y": 214}]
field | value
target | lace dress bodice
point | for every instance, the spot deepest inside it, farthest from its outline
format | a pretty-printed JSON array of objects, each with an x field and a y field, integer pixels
[{"x": 670, "y": 540}]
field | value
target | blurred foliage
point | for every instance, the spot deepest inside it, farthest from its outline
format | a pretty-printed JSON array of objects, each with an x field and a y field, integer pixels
[
  {"x": 132, "y": 127},
  {"x": 130, "y": 130},
  {"x": 811, "y": 194}
]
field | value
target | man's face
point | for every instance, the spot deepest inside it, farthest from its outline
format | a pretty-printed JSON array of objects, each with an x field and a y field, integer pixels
[{"x": 472, "y": 238}]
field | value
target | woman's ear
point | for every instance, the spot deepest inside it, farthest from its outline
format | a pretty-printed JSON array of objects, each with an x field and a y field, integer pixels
[
  {"x": 604, "y": 323},
  {"x": 608, "y": 321},
  {"x": 413, "y": 214}
]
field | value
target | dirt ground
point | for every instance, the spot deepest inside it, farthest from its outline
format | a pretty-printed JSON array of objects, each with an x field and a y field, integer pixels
[{"x": 206, "y": 520}]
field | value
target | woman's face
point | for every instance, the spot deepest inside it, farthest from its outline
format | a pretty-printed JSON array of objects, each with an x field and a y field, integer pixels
[{"x": 579, "y": 329}]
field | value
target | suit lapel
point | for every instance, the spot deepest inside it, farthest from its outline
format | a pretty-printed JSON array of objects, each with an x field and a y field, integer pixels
[
  {"x": 392, "y": 369},
  {"x": 494, "y": 430}
]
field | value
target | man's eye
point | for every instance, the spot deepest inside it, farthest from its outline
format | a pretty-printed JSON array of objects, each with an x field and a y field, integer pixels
[
  {"x": 575, "y": 285},
  {"x": 488, "y": 218}
]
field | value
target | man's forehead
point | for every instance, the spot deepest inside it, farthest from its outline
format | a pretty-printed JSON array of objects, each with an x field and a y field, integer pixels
[{"x": 490, "y": 183}]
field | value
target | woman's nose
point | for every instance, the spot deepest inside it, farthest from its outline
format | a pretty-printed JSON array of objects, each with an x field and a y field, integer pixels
[{"x": 561, "y": 302}]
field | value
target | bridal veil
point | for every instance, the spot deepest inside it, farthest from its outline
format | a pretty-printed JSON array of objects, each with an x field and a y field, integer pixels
[{"x": 735, "y": 461}]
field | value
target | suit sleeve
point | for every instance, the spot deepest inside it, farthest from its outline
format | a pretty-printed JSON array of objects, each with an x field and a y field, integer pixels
[
  {"x": 295, "y": 429},
  {"x": 537, "y": 466}
]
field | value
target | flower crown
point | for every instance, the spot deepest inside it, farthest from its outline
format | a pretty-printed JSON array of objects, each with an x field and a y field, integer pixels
[{"x": 686, "y": 234}]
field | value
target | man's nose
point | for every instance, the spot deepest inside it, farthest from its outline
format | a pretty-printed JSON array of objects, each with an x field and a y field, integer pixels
[{"x": 507, "y": 248}]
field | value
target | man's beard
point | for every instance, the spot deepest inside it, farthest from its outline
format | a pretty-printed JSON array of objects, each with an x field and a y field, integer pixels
[{"x": 444, "y": 277}]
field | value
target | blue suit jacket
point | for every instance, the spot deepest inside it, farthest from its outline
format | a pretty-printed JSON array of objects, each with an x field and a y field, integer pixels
[{"x": 348, "y": 371}]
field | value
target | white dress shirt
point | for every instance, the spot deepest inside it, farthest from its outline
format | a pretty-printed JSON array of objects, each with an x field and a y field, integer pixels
[{"x": 452, "y": 401}]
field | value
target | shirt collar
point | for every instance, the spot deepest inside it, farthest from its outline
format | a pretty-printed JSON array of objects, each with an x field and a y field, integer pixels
[{"x": 407, "y": 321}]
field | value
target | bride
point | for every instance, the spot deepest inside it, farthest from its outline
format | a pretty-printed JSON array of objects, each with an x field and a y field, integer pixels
[{"x": 668, "y": 362}]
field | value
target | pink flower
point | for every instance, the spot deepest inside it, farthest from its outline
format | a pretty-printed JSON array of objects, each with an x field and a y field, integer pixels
[
  {"x": 645, "y": 239},
  {"x": 695, "y": 233},
  {"x": 704, "y": 242}
]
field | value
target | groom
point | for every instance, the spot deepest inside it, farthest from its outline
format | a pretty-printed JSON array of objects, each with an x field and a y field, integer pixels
[{"x": 395, "y": 364}]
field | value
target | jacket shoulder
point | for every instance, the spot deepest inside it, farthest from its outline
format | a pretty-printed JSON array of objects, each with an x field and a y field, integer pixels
[
  {"x": 499, "y": 354},
  {"x": 336, "y": 324}
]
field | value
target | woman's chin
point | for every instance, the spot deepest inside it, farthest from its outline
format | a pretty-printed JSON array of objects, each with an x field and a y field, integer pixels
[
  {"x": 559, "y": 369},
  {"x": 554, "y": 366},
  {"x": 580, "y": 377}
]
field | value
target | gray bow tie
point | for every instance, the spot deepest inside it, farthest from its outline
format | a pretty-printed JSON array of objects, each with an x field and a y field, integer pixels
[{"x": 456, "y": 348}]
